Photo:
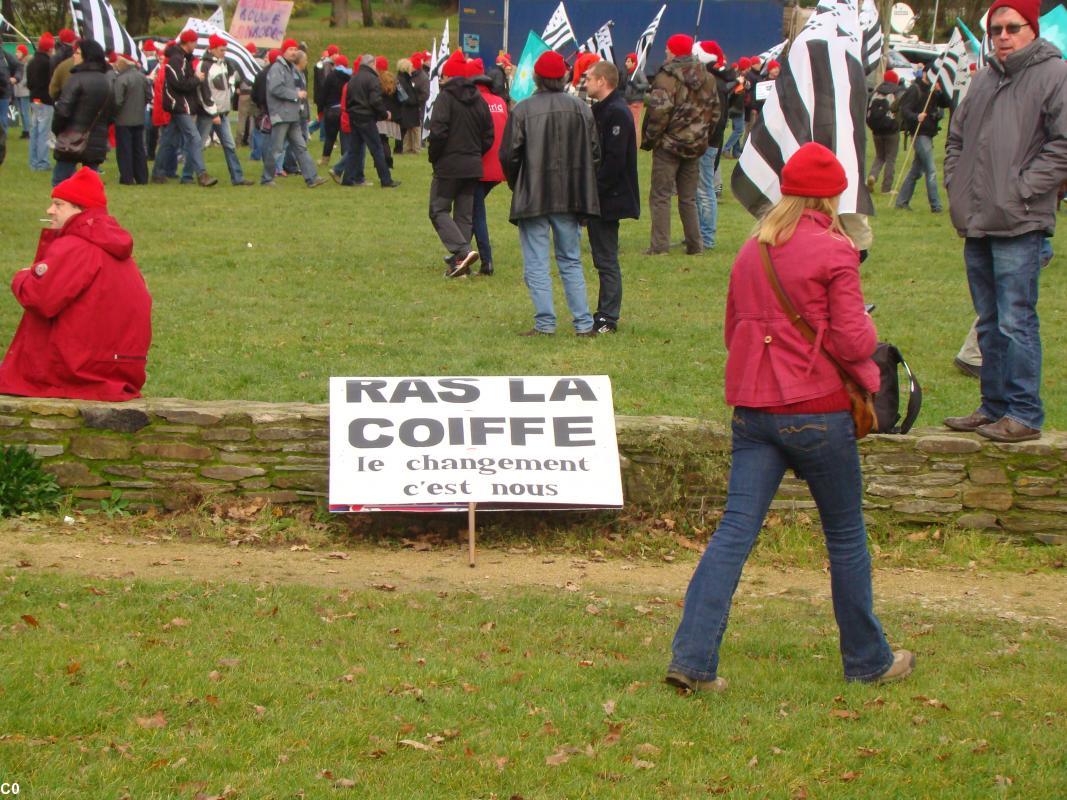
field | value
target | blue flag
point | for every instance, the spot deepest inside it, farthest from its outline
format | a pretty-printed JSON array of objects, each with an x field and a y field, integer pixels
[
  {"x": 522, "y": 86},
  {"x": 1054, "y": 28}
]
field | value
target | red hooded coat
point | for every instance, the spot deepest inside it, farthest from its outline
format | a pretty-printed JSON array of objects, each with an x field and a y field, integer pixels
[
  {"x": 87, "y": 322},
  {"x": 492, "y": 172}
]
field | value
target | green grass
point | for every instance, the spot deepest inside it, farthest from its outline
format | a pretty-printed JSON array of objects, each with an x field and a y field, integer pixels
[
  {"x": 266, "y": 295},
  {"x": 251, "y": 683}
]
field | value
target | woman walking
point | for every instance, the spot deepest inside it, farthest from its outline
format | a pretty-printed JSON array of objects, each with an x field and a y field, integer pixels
[{"x": 791, "y": 411}]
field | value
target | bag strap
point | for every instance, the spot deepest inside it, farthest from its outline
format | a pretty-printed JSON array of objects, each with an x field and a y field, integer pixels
[{"x": 915, "y": 393}]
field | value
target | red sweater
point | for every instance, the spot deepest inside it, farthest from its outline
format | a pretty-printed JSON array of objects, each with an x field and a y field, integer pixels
[
  {"x": 770, "y": 363},
  {"x": 492, "y": 172}
]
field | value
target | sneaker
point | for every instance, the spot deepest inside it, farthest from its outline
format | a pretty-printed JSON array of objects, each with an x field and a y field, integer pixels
[
  {"x": 335, "y": 176},
  {"x": 318, "y": 181},
  {"x": 651, "y": 252},
  {"x": 269, "y": 184},
  {"x": 971, "y": 370},
  {"x": 605, "y": 327},
  {"x": 391, "y": 185},
  {"x": 968, "y": 424},
  {"x": 486, "y": 270},
  {"x": 244, "y": 182},
  {"x": 462, "y": 266},
  {"x": 591, "y": 333},
  {"x": 690, "y": 685},
  {"x": 903, "y": 664},
  {"x": 535, "y": 332},
  {"x": 206, "y": 180}
]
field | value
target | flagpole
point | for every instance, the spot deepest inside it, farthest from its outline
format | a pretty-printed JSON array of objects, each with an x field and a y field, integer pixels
[
  {"x": 700, "y": 13},
  {"x": 16, "y": 30},
  {"x": 914, "y": 135},
  {"x": 507, "y": 19}
]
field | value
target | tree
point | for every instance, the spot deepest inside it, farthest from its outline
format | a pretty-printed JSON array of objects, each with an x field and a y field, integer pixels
[
  {"x": 368, "y": 17},
  {"x": 339, "y": 14},
  {"x": 138, "y": 16}
]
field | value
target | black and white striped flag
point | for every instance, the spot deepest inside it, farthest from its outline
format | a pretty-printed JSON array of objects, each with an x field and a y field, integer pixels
[
  {"x": 947, "y": 66},
  {"x": 601, "y": 43},
  {"x": 558, "y": 31},
  {"x": 645, "y": 40},
  {"x": 96, "y": 20},
  {"x": 773, "y": 54},
  {"x": 820, "y": 96},
  {"x": 237, "y": 55},
  {"x": 873, "y": 40},
  {"x": 438, "y": 57}
]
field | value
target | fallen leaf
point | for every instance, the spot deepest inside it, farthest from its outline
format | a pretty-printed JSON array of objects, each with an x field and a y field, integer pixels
[
  {"x": 501, "y": 762},
  {"x": 849, "y": 776},
  {"x": 487, "y": 626},
  {"x": 867, "y": 752},
  {"x": 592, "y": 609},
  {"x": 609, "y": 707},
  {"x": 980, "y": 747},
  {"x": 229, "y": 662},
  {"x": 211, "y": 699},
  {"x": 753, "y": 762},
  {"x": 571, "y": 586},
  {"x": 844, "y": 713},
  {"x": 299, "y": 548},
  {"x": 383, "y": 587},
  {"x": 177, "y": 622},
  {"x": 260, "y": 710},
  {"x": 556, "y": 759},
  {"x": 639, "y": 764},
  {"x": 214, "y": 675},
  {"x": 415, "y": 745},
  {"x": 549, "y": 729},
  {"x": 339, "y": 555},
  {"x": 613, "y": 735},
  {"x": 31, "y": 620},
  {"x": 647, "y": 749},
  {"x": 73, "y": 667},
  {"x": 157, "y": 720},
  {"x": 1003, "y": 780},
  {"x": 344, "y": 783},
  {"x": 585, "y": 663}
]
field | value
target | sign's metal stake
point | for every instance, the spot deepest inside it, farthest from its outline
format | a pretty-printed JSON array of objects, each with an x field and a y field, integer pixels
[{"x": 470, "y": 534}]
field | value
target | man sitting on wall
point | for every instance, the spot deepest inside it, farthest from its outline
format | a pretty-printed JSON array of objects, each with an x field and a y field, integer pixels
[{"x": 87, "y": 323}]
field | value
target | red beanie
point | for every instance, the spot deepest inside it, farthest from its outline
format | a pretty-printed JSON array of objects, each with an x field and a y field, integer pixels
[
  {"x": 891, "y": 77},
  {"x": 272, "y": 55},
  {"x": 416, "y": 61},
  {"x": 215, "y": 41},
  {"x": 744, "y": 63},
  {"x": 381, "y": 63},
  {"x": 251, "y": 48},
  {"x": 550, "y": 64},
  {"x": 67, "y": 36},
  {"x": 680, "y": 45},
  {"x": 813, "y": 171},
  {"x": 475, "y": 67},
  {"x": 22, "y": 49},
  {"x": 504, "y": 59},
  {"x": 332, "y": 49},
  {"x": 456, "y": 66},
  {"x": 772, "y": 64},
  {"x": 188, "y": 35},
  {"x": 340, "y": 60},
  {"x": 112, "y": 57},
  {"x": 756, "y": 61},
  {"x": 84, "y": 189},
  {"x": 46, "y": 42},
  {"x": 289, "y": 43},
  {"x": 1030, "y": 10},
  {"x": 148, "y": 46}
]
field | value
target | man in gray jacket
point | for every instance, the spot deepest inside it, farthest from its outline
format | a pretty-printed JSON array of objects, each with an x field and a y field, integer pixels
[
  {"x": 284, "y": 99},
  {"x": 1006, "y": 158},
  {"x": 131, "y": 91}
]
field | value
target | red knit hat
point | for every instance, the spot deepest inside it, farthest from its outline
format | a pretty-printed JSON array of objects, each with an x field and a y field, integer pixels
[
  {"x": 289, "y": 43},
  {"x": 340, "y": 60},
  {"x": 84, "y": 189},
  {"x": 273, "y": 55},
  {"x": 46, "y": 42},
  {"x": 67, "y": 36},
  {"x": 381, "y": 63},
  {"x": 1030, "y": 10},
  {"x": 772, "y": 64},
  {"x": 504, "y": 60},
  {"x": 112, "y": 56},
  {"x": 744, "y": 63},
  {"x": 551, "y": 65},
  {"x": 891, "y": 77},
  {"x": 148, "y": 46},
  {"x": 188, "y": 35},
  {"x": 756, "y": 61},
  {"x": 215, "y": 41},
  {"x": 680, "y": 45},
  {"x": 813, "y": 171},
  {"x": 416, "y": 60},
  {"x": 251, "y": 48},
  {"x": 475, "y": 67},
  {"x": 456, "y": 66},
  {"x": 332, "y": 49},
  {"x": 22, "y": 49}
]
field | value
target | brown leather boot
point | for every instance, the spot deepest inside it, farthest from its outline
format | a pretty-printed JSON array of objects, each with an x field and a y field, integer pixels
[
  {"x": 970, "y": 423},
  {"x": 1008, "y": 430},
  {"x": 206, "y": 180}
]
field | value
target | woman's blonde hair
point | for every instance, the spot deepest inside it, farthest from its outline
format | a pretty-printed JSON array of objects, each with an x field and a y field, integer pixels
[
  {"x": 404, "y": 65},
  {"x": 777, "y": 226}
]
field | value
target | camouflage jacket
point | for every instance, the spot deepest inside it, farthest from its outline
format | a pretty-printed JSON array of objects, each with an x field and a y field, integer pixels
[{"x": 682, "y": 108}]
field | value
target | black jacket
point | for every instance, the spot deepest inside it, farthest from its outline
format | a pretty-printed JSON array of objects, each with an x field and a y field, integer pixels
[
  {"x": 912, "y": 104},
  {"x": 365, "y": 102},
  {"x": 259, "y": 91},
  {"x": 86, "y": 98},
  {"x": 501, "y": 85},
  {"x": 616, "y": 178},
  {"x": 550, "y": 153},
  {"x": 330, "y": 91},
  {"x": 726, "y": 80},
  {"x": 62, "y": 53},
  {"x": 38, "y": 74},
  {"x": 461, "y": 130},
  {"x": 410, "y": 107},
  {"x": 181, "y": 89},
  {"x": 10, "y": 67}
]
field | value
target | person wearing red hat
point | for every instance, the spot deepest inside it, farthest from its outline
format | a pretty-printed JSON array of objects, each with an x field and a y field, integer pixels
[
  {"x": 216, "y": 100},
  {"x": 883, "y": 118},
  {"x": 500, "y": 74},
  {"x": 331, "y": 97},
  {"x": 323, "y": 67},
  {"x": 364, "y": 106},
  {"x": 492, "y": 172},
  {"x": 709, "y": 188},
  {"x": 20, "y": 91},
  {"x": 461, "y": 132},
  {"x": 86, "y": 323},
  {"x": 792, "y": 410},
  {"x": 182, "y": 100},
  {"x": 633, "y": 83},
  {"x": 286, "y": 97},
  {"x": 549, "y": 155},
  {"x": 38, "y": 75},
  {"x": 682, "y": 109},
  {"x": 420, "y": 83},
  {"x": 1005, "y": 161},
  {"x": 131, "y": 91}
]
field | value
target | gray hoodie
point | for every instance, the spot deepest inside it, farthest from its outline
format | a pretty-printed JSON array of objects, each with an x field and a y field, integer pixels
[
  {"x": 282, "y": 100},
  {"x": 1007, "y": 146}
]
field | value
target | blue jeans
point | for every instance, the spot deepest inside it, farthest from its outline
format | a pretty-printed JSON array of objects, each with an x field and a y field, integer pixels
[
  {"x": 291, "y": 135},
  {"x": 1003, "y": 275},
  {"x": 737, "y": 130},
  {"x": 65, "y": 169},
  {"x": 205, "y": 126},
  {"x": 4, "y": 103},
  {"x": 481, "y": 223},
  {"x": 353, "y": 160},
  {"x": 259, "y": 139},
  {"x": 190, "y": 142},
  {"x": 707, "y": 201},
  {"x": 40, "y": 130},
  {"x": 24, "y": 112},
  {"x": 922, "y": 164},
  {"x": 533, "y": 239},
  {"x": 166, "y": 160},
  {"x": 821, "y": 448}
]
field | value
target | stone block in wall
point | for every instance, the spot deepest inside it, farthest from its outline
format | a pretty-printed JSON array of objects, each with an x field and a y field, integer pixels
[
  {"x": 45, "y": 408},
  {"x": 978, "y": 521},
  {"x": 1031, "y": 522},
  {"x": 119, "y": 420},
  {"x": 188, "y": 416},
  {"x": 947, "y": 444},
  {"x": 792, "y": 505},
  {"x": 255, "y": 483},
  {"x": 939, "y": 492},
  {"x": 1059, "y": 506},
  {"x": 1037, "y": 447},
  {"x": 248, "y": 458},
  {"x": 188, "y": 452},
  {"x": 124, "y": 470},
  {"x": 1036, "y": 485},
  {"x": 987, "y": 474},
  {"x": 9, "y": 422},
  {"x": 230, "y": 434},
  {"x": 55, "y": 423},
  {"x": 132, "y": 485},
  {"x": 92, "y": 494},
  {"x": 948, "y": 466},
  {"x": 895, "y": 459},
  {"x": 880, "y": 489},
  {"x": 311, "y": 481},
  {"x": 994, "y": 499},
  {"x": 73, "y": 473},
  {"x": 25, "y": 436},
  {"x": 284, "y": 434},
  {"x": 169, "y": 476},
  {"x": 925, "y": 507},
  {"x": 230, "y": 472},
  {"x": 45, "y": 450},
  {"x": 110, "y": 448}
]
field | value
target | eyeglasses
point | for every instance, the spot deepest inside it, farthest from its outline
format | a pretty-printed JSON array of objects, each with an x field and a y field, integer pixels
[{"x": 1012, "y": 29}]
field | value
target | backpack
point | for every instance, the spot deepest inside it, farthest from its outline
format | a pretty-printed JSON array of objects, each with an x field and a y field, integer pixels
[
  {"x": 887, "y": 398},
  {"x": 881, "y": 118},
  {"x": 259, "y": 90}
]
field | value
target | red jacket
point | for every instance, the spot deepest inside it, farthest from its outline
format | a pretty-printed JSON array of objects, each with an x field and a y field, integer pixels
[
  {"x": 770, "y": 363},
  {"x": 492, "y": 172},
  {"x": 87, "y": 322},
  {"x": 159, "y": 116}
]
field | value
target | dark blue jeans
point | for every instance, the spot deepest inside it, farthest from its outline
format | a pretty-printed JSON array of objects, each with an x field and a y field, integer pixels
[
  {"x": 481, "y": 223},
  {"x": 922, "y": 165},
  {"x": 821, "y": 448},
  {"x": 1003, "y": 276}
]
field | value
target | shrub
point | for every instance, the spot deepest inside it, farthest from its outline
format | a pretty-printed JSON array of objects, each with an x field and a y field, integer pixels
[
  {"x": 24, "y": 485},
  {"x": 395, "y": 21}
]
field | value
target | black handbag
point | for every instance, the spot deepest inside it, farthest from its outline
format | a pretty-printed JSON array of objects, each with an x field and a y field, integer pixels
[{"x": 71, "y": 145}]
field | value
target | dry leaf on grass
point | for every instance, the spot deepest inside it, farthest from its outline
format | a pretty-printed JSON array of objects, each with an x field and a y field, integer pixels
[
  {"x": 640, "y": 764},
  {"x": 609, "y": 707},
  {"x": 844, "y": 713},
  {"x": 31, "y": 620},
  {"x": 849, "y": 776},
  {"x": 384, "y": 587},
  {"x": 415, "y": 745},
  {"x": 157, "y": 720}
]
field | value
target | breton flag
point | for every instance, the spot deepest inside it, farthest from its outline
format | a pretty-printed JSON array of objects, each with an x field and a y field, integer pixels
[
  {"x": 438, "y": 56},
  {"x": 217, "y": 19},
  {"x": 237, "y": 55},
  {"x": 873, "y": 41},
  {"x": 771, "y": 55},
  {"x": 980, "y": 48},
  {"x": 96, "y": 20},
  {"x": 947, "y": 66},
  {"x": 820, "y": 96},
  {"x": 601, "y": 43},
  {"x": 558, "y": 31},
  {"x": 644, "y": 41}
]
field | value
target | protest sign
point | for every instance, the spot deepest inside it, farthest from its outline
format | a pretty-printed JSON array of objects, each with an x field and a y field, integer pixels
[
  {"x": 763, "y": 89},
  {"x": 261, "y": 21},
  {"x": 453, "y": 442}
]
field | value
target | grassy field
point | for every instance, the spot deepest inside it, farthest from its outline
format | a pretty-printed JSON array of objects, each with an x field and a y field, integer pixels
[
  {"x": 169, "y": 689},
  {"x": 265, "y": 296}
]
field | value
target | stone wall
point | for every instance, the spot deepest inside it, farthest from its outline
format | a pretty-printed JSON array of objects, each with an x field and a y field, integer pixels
[{"x": 176, "y": 452}]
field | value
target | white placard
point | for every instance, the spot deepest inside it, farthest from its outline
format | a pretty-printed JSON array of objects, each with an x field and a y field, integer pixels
[
  {"x": 547, "y": 440},
  {"x": 763, "y": 89}
]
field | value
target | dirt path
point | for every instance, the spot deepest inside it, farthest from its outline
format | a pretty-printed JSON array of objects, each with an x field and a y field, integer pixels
[{"x": 1005, "y": 595}]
